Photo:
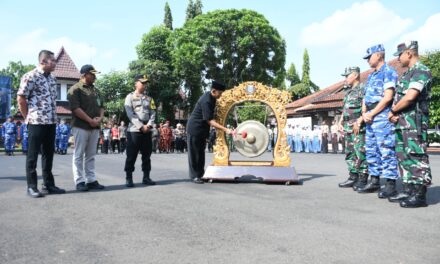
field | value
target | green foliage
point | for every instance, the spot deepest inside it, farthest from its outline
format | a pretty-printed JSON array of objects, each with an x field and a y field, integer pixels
[
  {"x": 231, "y": 46},
  {"x": 16, "y": 70},
  {"x": 292, "y": 75},
  {"x": 113, "y": 88},
  {"x": 190, "y": 14},
  {"x": 432, "y": 60},
  {"x": 154, "y": 59},
  {"x": 168, "y": 18},
  {"x": 433, "y": 138},
  {"x": 248, "y": 111},
  {"x": 197, "y": 7},
  {"x": 306, "y": 68},
  {"x": 299, "y": 90}
]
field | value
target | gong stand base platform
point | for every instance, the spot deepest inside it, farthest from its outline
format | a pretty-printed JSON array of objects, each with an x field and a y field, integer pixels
[{"x": 267, "y": 174}]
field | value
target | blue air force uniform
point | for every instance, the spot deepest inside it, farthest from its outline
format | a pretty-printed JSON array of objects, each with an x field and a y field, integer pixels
[
  {"x": 9, "y": 134},
  {"x": 24, "y": 137},
  {"x": 380, "y": 138}
]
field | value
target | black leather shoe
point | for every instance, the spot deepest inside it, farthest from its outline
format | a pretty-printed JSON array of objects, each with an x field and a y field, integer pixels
[
  {"x": 82, "y": 187},
  {"x": 406, "y": 193},
  {"x": 417, "y": 198},
  {"x": 95, "y": 186},
  {"x": 198, "y": 181},
  {"x": 148, "y": 181},
  {"x": 34, "y": 193},
  {"x": 372, "y": 186},
  {"x": 350, "y": 181},
  {"x": 389, "y": 189},
  {"x": 52, "y": 190},
  {"x": 129, "y": 183},
  {"x": 361, "y": 182}
]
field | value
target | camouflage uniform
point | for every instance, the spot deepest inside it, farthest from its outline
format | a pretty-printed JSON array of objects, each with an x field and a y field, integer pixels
[
  {"x": 412, "y": 127},
  {"x": 354, "y": 144},
  {"x": 380, "y": 138}
]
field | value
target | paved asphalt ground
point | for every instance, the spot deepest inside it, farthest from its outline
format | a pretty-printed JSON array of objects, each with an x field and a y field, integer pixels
[{"x": 177, "y": 221}]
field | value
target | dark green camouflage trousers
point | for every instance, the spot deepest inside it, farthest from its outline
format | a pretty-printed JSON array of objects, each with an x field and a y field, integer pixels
[
  {"x": 355, "y": 153},
  {"x": 412, "y": 157}
]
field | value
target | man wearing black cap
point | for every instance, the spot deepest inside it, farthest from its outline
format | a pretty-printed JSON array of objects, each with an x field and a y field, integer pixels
[
  {"x": 410, "y": 112},
  {"x": 141, "y": 112},
  {"x": 87, "y": 113},
  {"x": 202, "y": 118}
]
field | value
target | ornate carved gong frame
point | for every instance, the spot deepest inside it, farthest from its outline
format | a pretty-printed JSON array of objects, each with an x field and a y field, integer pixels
[{"x": 253, "y": 91}]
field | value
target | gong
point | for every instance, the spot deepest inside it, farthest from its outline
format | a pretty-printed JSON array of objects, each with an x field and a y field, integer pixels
[{"x": 251, "y": 139}]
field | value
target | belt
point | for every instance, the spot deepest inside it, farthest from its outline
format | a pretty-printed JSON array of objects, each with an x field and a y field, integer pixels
[{"x": 371, "y": 106}]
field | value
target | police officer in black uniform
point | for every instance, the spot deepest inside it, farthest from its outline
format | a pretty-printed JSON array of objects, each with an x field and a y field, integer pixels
[
  {"x": 198, "y": 130},
  {"x": 141, "y": 112}
]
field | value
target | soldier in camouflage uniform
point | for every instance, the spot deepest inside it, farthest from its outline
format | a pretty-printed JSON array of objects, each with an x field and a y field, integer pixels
[
  {"x": 411, "y": 115},
  {"x": 354, "y": 130},
  {"x": 379, "y": 135}
]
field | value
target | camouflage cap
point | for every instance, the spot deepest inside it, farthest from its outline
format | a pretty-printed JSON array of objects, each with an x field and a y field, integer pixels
[
  {"x": 88, "y": 69},
  {"x": 374, "y": 49},
  {"x": 410, "y": 44},
  {"x": 351, "y": 69}
]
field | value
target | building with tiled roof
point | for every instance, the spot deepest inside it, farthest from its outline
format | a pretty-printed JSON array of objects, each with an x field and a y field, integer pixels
[
  {"x": 326, "y": 104},
  {"x": 67, "y": 74}
]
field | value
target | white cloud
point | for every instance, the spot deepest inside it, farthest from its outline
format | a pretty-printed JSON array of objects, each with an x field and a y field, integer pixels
[
  {"x": 425, "y": 35},
  {"x": 25, "y": 47},
  {"x": 361, "y": 25}
]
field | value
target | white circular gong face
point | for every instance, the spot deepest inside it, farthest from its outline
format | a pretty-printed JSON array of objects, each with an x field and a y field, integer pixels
[{"x": 251, "y": 139}]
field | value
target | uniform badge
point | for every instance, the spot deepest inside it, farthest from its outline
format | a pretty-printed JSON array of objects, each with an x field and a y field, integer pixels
[{"x": 152, "y": 105}]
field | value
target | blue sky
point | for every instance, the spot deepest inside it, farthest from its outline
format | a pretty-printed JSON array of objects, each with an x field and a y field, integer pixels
[{"x": 105, "y": 33}]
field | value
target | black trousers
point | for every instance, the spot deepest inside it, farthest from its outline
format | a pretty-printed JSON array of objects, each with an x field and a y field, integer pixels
[
  {"x": 123, "y": 143},
  {"x": 324, "y": 145},
  {"x": 335, "y": 146},
  {"x": 137, "y": 141},
  {"x": 40, "y": 138},
  {"x": 196, "y": 156}
]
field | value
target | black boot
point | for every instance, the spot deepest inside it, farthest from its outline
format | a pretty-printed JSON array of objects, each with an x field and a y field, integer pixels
[
  {"x": 147, "y": 181},
  {"x": 129, "y": 180},
  {"x": 362, "y": 181},
  {"x": 389, "y": 189},
  {"x": 406, "y": 192},
  {"x": 352, "y": 179},
  {"x": 417, "y": 198},
  {"x": 372, "y": 186}
]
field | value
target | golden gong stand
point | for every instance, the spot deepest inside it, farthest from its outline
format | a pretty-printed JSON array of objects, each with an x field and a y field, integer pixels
[{"x": 277, "y": 170}]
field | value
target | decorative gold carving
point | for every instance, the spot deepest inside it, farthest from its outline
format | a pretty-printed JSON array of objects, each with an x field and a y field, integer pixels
[{"x": 274, "y": 98}]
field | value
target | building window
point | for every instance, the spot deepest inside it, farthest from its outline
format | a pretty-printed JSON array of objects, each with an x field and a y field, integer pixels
[{"x": 58, "y": 91}]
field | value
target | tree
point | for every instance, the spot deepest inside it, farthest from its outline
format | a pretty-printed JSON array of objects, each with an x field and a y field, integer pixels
[
  {"x": 16, "y": 70},
  {"x": 154, "y": 59},
  {"x": 168, "y": 18},
  {"x": 252, "y": 111},
  {"x": 432, "y": 60},
  {"x": 230, "y": 46},
  {"x": 197, "y": 7},
  {"x": 299, "y": 90},
  {"x": 113, "y": 88},
  {"x": 190, "y": 14},
  {"x": 306, "y": 68},
  {"x": 292, "y": 75}
]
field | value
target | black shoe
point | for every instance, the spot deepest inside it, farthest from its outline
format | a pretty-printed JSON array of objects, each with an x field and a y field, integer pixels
[
  {"x": 361, "y": 182},
  {"x": 406, "y": 193},
  {"x": 52, "y": 190},
  {"x": 148, "y": 181},
  {"x": 82, "y": 187},
  {"x": 350, "y": 181},
  {"x": 95, "y": 186},
  {"x": 34, "y": 193},
  {"x": 372, "y": 186},
  {"x": 417, "y": 198},
  {"x": 129, "y": 183},
  {"x": 389, "y": 189},
  {"x": 198, "y": 180}
]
